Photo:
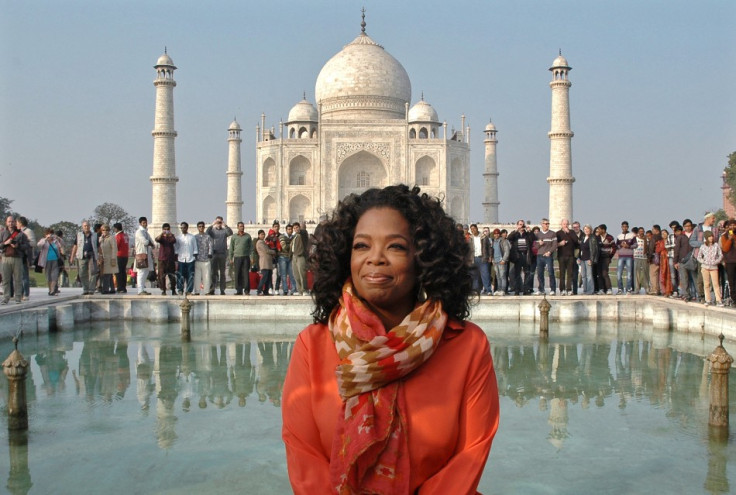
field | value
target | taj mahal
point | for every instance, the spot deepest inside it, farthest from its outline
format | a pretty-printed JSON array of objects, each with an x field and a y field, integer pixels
[{"x": 361, "y": 132}]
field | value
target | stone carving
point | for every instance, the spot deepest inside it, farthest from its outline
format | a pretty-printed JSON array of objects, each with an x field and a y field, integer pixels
[{"x": 344, "y": 150}]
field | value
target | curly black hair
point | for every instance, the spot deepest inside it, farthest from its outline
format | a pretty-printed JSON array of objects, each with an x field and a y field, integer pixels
[{"x": 441, "y": 252}]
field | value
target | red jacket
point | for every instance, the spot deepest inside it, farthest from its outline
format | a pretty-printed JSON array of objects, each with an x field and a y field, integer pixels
[{"x": 123, "y": 247}]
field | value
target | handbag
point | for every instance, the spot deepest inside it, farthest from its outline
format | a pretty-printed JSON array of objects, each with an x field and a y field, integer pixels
[
  {"x": 689, "y": 262},
  {"x": 141, "y": 261},
  {"x": 36, "y": 268}
]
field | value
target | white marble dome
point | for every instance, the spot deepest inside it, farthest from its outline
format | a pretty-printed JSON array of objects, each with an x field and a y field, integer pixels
[
  {"x": 423, "y": 112},
  {"x": 490, "y": 127},
  {"x": 560, "y": 61},
  {"x": 303, "y": 112},
  {"x": 234, "y": 126},
  {"x": 363, "y": 81},
  {"x": 164, "y": 60}
]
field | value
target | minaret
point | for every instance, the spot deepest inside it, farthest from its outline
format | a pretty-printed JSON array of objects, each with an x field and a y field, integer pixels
[
  {"x": 164, "y": 179},
  {"x": 560, "y": 155},
  {"x": 234, "y": 203},
  {"x": 490, "y": 177}
]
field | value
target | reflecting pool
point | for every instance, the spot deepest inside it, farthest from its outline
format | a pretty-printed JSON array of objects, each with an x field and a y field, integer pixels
[{"x": 129, "y": 408}]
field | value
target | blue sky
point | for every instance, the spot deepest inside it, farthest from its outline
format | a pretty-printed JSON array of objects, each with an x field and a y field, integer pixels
[{"x": 652, "y": 97}]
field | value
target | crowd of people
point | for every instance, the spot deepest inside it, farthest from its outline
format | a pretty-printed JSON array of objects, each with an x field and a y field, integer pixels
[
  {"x": 174, "y": 263},
  {"x": 692, "y": 262}
]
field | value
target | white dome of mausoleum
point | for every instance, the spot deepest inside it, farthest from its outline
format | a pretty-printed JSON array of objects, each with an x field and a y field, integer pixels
[
  {"x": 363, "y": 81},
  {"x": 423, "y": 112},
  {"x": 303, "y": 112}
]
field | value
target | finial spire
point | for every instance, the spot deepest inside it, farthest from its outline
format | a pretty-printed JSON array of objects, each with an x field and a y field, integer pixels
[
  {"x": 560, "y": 51},
  {"x": 422, "y": 95},
  {"x": 166, "y": 50},
  {"x": 362, "y": 24},
  {"x": 305, "y": 96}
]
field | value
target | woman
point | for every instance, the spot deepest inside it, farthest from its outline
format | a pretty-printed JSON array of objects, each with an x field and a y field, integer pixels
[
  {"x": 390, "y": 391},
  {"x": 709, "y": 257},
  {"x": 606, "y": 250},
  {"x": 265, "y": 263},
  {"x": 50, "y": 256},
  {"x": 108, "y": 260},
  {"x": 728, "y": 246},
  {"x": 662, "y": 256},
  {"x": 588, "y": 259}
]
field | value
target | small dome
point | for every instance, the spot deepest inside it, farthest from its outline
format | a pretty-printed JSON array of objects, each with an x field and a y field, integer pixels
[
  {"x": 234, "y": 126},
  {"x": 490, "y": 127},
  {"x": 560, "y": 61},
  {"x": 302, "y": 112},
  {"x": 165, "y": 60},
  {"x": 422, "y": 112}
]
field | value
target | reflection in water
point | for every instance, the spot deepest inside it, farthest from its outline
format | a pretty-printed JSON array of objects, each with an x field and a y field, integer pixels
[{"x": 561, "y": 378}]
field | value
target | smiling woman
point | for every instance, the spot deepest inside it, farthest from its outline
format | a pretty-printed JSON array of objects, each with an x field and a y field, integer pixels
[{"x": 361, "y": 408}]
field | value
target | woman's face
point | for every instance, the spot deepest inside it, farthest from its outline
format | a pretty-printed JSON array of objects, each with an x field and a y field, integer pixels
[
  {"x": 587, "y": 231},
  {"x": 382, "y": 264}
]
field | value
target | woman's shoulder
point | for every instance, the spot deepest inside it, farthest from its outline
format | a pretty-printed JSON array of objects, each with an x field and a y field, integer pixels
[{"x": 464, "y": 330}]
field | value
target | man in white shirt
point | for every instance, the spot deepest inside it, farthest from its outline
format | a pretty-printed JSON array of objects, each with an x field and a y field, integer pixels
[{"x": 186, "y": 252}]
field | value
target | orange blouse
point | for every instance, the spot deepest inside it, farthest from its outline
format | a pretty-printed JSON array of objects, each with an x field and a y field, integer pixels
[{"x": 451, "y": 412}]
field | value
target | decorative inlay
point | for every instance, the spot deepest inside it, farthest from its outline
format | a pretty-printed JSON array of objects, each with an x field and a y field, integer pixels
[{"x": 344, "y": 150}]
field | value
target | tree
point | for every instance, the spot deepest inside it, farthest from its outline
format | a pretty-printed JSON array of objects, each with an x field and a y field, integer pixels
[
  {"x": 731, "y": 177},
  {"x": 5, "y": 208},
  {"x": 111, "y": 213},
  {"x": 69, "y": 229}
]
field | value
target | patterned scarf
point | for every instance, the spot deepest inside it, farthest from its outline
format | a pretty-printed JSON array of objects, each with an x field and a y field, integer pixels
[{"x": 370, "y": 452}]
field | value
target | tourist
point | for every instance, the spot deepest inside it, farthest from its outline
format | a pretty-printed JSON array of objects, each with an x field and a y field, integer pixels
[
  {"x": 14, "y": 244},
  {"x": 63, "y": 274},
  {"x": 697, "y": 239},
  {"x": 500, "y": 255},
  {"x": 641, "y": 261},
  {"x": 265, "y": 263},
  {"x": 166, "y": 266},
  {"x": 241, "y": 245},
  {"x": 576, "y": 258},
  {"x": 273, "y": 241},
  {"x": 669, "y": 244},
  {"x": 29, "y": 255},
  {"x": 588, "y": 259},
  {"x": 143, "y": 256},
  {"x": 298, "y": 257},
  {"x": 186, "y": 252},
  {"x": 653, "y": 259},
  {"x": 709, "y": 257},
  {"x": 606, "y": 250},
  {"x": 567, "y": 244},
  {"x": 123, "y": 246},
  {"x": 625, "y": 266},
  {"x": 392, "y": 280},
  {"x": 107, "y": 260},
  {"x": 219, "y": 232},
  {"x": 521, "y": 241},
  {"x": 285, "y": 262},
  {"x": 685, "y": 262},
  {"x": 480, "y": 284},
  {"x": 729, "y": 256},
  {"x": 50, "y": 253},
  {"x": 202, "y": 269},
  {"x": 84, "y": 251},
  {"x": 546, "y": 244},
  {"x": 661, "y": 257}
]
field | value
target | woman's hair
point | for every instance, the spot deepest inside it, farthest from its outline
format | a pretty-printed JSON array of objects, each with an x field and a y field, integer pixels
[{"x": 441, "y": 252}]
